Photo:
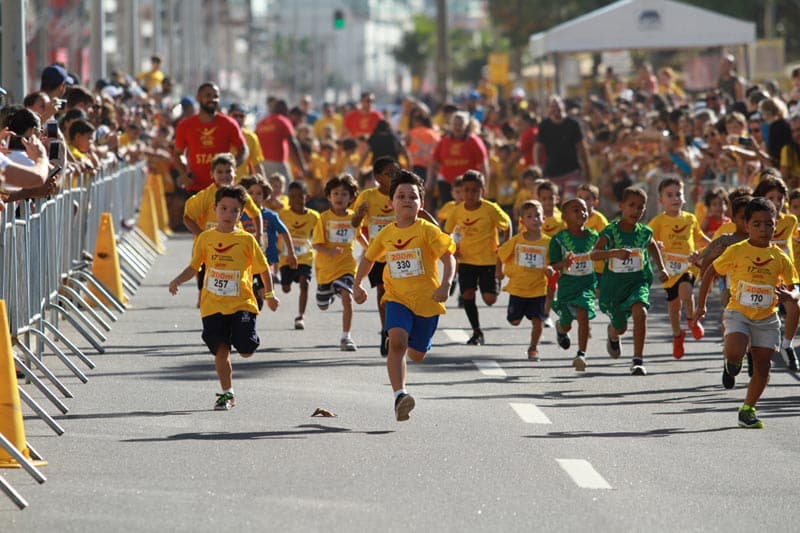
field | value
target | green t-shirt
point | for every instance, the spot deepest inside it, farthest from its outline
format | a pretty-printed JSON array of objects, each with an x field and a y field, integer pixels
[
  {"x": 579, "y": 276},
  {"x": 622, "y": 277}
]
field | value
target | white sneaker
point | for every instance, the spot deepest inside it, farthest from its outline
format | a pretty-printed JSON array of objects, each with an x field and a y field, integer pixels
[
  {"x": 548, "y": 323},
  {"x": 347, "y": 345}
]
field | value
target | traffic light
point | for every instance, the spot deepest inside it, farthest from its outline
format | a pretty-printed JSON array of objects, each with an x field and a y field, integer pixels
[{"x": 338, "y": 19}]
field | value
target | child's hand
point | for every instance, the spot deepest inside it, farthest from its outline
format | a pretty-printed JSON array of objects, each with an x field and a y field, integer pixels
[
  {"x": 622, "y": 253},
  {"x": 499, "y": 274},
  {"x": 273, "y": 303},
  {"x": 292, "y": 260},
  {"x": 359, "y": 294},
  {"x": 549, "y": 271},
  {"x": 663, "y": 275},
  {"x": 569, "y": 259},
  {"x": 660, "y": 245},
  {"x": 699, "y": 313},
  {"x": 362, "y": 209},
  {"x": 173, "y": 288},
  {"x": 441, "y": 293},
  {"x": 785, "y": 295}
]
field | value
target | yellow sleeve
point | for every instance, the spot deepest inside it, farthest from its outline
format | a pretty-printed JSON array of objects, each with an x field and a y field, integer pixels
[
  {"x": 506, "y": 250},
  {"x": 196, "y": 207},
  {"x": 252, "y": 210}
]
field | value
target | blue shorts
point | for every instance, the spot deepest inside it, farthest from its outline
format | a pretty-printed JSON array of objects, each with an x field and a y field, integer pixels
[
  {"x": 530, "y": 308},
  {"x": 420, "y": 329}
]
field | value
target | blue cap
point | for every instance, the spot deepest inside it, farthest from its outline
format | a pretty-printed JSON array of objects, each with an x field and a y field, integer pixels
[
  {"x": 55, "y": 75},
  {"x": 187, "y": 101},
  {"x": 474, "y": 95}
]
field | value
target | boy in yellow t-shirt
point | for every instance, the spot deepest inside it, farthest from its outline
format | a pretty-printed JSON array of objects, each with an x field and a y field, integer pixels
[
  {"x": 300, "y": 221},
  {"x": 760, "y": 275},
  {"x": 373, "y": 212},
  {"x": 414, "y": 296},
  {"x": 228, "y": 307},
  {"x": 678, "y": 234},
  {"x": 479, "y": 222},
  {"x": 525, "y": 260},
  {"x": 334, "y": 240}
]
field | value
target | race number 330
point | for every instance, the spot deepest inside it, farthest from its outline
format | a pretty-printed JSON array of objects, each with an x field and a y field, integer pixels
[{"x": 405, "y": 263}]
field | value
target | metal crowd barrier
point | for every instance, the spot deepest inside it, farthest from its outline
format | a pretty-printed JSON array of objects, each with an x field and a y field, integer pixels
[{"x": 46, "y": 248}]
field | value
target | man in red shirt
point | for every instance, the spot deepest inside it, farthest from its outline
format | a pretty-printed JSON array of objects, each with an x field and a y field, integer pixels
[
  {"x": 456, "y": 152},
  {"x": 276, "y": 135},
  {"x": 527, "y": 138},
  {"x": 362, "y": 121},
  {"x": 202, "y": 136}
]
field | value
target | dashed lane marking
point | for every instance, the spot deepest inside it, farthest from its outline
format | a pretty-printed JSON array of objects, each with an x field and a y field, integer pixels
[
  {"x": 489, "y": 368},
  {"x": 583, "y": 474},
  {"x": 529, "y": 413},
  {"x": 456, "y": 335}
]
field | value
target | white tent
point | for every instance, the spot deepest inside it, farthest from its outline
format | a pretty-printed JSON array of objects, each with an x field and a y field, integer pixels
[{"x": 642, "y": 24}]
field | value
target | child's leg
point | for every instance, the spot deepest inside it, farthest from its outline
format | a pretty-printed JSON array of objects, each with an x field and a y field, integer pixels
[
  {"x": 303, "y": 298},
  {"x": 762, "y": 362},
  {"x": 347, "y": 310},
  {"x": 735, "y": 347},
  {"x": 686, "y": 295},
  {"x": 536, "y": 331},
  {"x": 674, "y": 309},
  {"x": 379, "y": 292},
  {"x": 639, "y": 315},
  {"x": 582, "y": 316},
  {"x": 396, "y": 360},
  {"x": 471, "y": 308},
  {"x": 222, "y": 361},
  {"x": 489, "y": 298}
]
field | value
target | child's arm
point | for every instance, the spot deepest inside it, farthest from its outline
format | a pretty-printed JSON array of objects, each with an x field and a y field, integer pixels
[
  {"x": 564, "y": 263},
  {"x": 498, "y": 270},
  {"x": 364, "y": 266},
  {"x": 599, "y": 253},
  {"x": 192, "y": 226},
  {"x": 268, "y": 294},
  {"x": 448, "y": 271},
  {"x": 183, "y": 277},
  {"x": 702, "y": 294},
  {"x": 328, "y": 249},
  {"x": 655, "y": 251},
  {"x": 359, "y": 215}
]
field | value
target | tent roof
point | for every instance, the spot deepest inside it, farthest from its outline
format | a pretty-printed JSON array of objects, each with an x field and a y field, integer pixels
[{"x": 643, "y": 24}]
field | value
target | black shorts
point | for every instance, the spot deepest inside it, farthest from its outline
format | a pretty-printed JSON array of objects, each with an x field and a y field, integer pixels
[
  {"x": 672, "y": 292},
  {"x": 291, "y": 275},
  {"x": 237, "y": 330},
  {"x": 530, "y": 308},
  {"x": 376, "y": 274},
  {"x": 474, "y": 276}
]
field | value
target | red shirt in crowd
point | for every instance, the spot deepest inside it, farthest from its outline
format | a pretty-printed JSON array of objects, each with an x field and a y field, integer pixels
[
  {"x": 274, "y": 132},
  {"x": 456, "y": 156},
  {"x": 205, "y": 140},
  {"x": 527, "y": 140},
  {"x": 357, "y": 122}
]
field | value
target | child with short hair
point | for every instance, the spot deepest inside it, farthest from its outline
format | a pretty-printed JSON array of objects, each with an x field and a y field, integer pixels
[
  {"x": 526, "y": 190},
  {"x": 678, "y": 235},
  {"x": 301, "y": 222},
  {"x": 276, "y": 199},
  {"x": 414, "y": 295},
  {"x": 228, "y": 307},
  {"x": 547, "y": 194},
  {"x": 570, "y": 251},
  {"x": 525, "y": 260},
  {"x": 626, "y": 246},
  {"x": 716, "y": 202},
  {"x": 479, "y": 222},
  {"x": 334, "y": 241},
  {"x": 733, "y": 194},
  {"x": 760, "y": 276}
]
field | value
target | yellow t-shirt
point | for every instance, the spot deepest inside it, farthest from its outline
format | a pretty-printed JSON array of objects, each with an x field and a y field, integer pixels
[
  {"x": 335, "y": 121},
  {"x": 380, "y": 212},
  {"x": 679, "y": 235},
  {"x": 231, "y": 260},
  {"x": 525, "y": 263},
  {"x": 785, "y": 229},
  {"x": 200, "y": 208},
  {"x": 478, "y": 229},
  {"x": 522, "y": 196},
  {"x": 753, "y": 273},
  {"x": 597, "y": 221},
  {"x": 502, "y": 186},
  {"x": 553, "y": 224},
  {"x": 411, "y": 274},
  {"x": 727, "y": 227},
  {"x": 334, "y": 230},
  {"x": 254, "y": 155},
  {"x": 446, "y": 211},
  {"x": 300, "y": 226}
]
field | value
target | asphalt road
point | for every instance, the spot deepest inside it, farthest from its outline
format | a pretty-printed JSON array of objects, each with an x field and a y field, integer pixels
[{"x": 496, "y": 443}]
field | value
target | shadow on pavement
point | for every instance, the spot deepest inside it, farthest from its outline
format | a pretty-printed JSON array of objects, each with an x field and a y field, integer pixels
[
  {"x": 302, "y": 431},
  {"x": 658, "y": 433}
]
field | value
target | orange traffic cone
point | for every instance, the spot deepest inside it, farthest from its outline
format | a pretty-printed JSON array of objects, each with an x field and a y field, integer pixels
[
  {"x": 147, "y": 220},
  {"x": 11, "y": 425},
  {"x": 105, "y": 265},
  {"x": 157, "y": 186}
]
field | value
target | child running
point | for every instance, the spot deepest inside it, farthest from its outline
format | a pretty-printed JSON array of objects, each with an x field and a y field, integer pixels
[
  {"x": 228, "y": 306},
  {"x": 524, "y": 259},
  {"x": 626, "y": 246},
  {"x": 678, "y": 234},
  {"x": 301, "y": 222},
  {"x": 414, "y": 296},
  {"x": 334, "y": 240},
  {"x": 479, "y": 221},
  {"x": 760, "y": 275},
  {"x": 570, "y": 251},
  {"x": 373, "y": 212}
]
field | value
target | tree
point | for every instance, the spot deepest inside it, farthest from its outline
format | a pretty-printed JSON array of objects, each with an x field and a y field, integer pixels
[{"x": 417, "y": 46}]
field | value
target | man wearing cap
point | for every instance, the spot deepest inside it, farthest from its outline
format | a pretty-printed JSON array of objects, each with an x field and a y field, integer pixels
[
  {"x": 55, "y": 80},
  {"x": 362, "y": 121},
  {"x": 204, "y": 135},
  {"x": 253, "y": 163}
]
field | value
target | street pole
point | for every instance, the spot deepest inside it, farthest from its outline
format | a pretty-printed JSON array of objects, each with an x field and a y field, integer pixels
[
  {"x": 441, "y": 49},
  {"x": 14, "y": 76},
  {"x": 97, "y": 36}
]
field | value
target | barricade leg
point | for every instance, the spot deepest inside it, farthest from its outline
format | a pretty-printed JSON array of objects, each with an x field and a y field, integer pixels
[
  {"x": 68, "y": 343},
  {"x": 23, "y": 461},
  {"x": 41, "y": 413},
  {"x": 94, "y": 282},
  {"x": 74, "y": 308},
  {"x": 95, "y": 301},
  {"x": 136, "y": 264},
  {"x": 44, "y": 370},
  {"x": 12, "y": 494},
  {"x": 86, "y": 308},
  {"x": 77, "y": 325},
  {"x": 61, "y": 355}
]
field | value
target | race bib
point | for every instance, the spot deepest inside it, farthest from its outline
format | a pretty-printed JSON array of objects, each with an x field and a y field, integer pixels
[
  {"x": 581, "y": 266},
  {"x": 405, "y": 263},
  {"x": 340, "y": 231},
  {"x": 676, "y": 263},
  {"x": 530, "y": 256},
  {"x": 376, "y": 224},
  {"x": 223, "y": 282},
  {"x": 300, "y": 246},
  {"x": 626, "y": 266},
  {"x": 756, "y": 296}
]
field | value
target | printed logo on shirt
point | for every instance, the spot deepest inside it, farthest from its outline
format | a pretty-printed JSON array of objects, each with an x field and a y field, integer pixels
[
  {"x": 777, "y": 236},
  {"x": 401, "y": 245},
  {"x": 298, "y": 225},
  {"x": 387, "y": 208},
  {"x": 677, "y": 229},
  {"x": 759, "y": 264},
  {"x": 221, "y": 250},
  {"x": 207, "y": 136},
  {"x": 471, "y": 223}
]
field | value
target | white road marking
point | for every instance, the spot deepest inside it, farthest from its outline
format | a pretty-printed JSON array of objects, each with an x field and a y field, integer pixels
[
  {"x": 489, "y": 368},
  {"x": 456, "y": 335},
  {"x": 530, "y": 414},
  {"x": 583, "y": 474}
]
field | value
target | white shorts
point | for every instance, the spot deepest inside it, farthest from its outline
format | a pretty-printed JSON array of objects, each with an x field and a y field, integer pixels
[{"x": 764, "y": 333}]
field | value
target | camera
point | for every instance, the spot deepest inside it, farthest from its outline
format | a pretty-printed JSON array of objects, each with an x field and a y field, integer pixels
[
  {"x": 59, "y": 102},
  {"x": 55, "y": 151},
  {"x": 745, "y": 141},
  {"x": 15, "y": 143},
  {"x": 51, "y": 129}
]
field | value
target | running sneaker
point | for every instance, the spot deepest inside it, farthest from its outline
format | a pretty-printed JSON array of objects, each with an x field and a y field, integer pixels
[
  {"x": 548, "y": 323},
  {"x": 613, "y": 347},
  {"x": 533, "y": 354},
  {"x": 384, "y": 343},
  {"x": 225, "y": 402},
  {"x": 476, "y": 339},
  {"x": 563, "y": 339},
  {"x": 697, "y": 329},
  {"x": 748, "y": 418},
  {"x": 790, "y": 358},
  {"x": 677, "y": 345},
  {"x": 403, "y": 405},
  {"x": 347, "y": 345},
  {"x": 299, "y": 323},
  {"x": 637, "y": 368},
  {"x": 579, "y": 363}
]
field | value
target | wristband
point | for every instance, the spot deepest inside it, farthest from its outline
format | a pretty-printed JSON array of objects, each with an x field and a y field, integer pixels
[{"x": 268, "y": 295}]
